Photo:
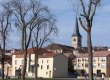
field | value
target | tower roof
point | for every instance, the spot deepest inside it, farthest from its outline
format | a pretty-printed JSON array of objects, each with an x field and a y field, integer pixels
[{"x": 76, "y": 29}]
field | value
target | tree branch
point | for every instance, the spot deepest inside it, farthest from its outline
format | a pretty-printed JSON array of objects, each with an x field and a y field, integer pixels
[
  {"x": 89, "y": 7},
  {"x": 83, "y": 25},
  {"x": 83, "y": 7},
  {"x": 95, "y": 7}
]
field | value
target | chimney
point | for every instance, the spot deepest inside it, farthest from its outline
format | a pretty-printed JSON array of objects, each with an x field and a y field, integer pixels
[{"x": 13, "y": 51}]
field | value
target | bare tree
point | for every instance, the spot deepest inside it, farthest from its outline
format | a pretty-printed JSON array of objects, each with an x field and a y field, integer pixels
[
  {"x": 86, "y": 16},
  {"x": 5, "y": 26},
  {"x": 42, "y": 33},
  {"x": 26, "y": 17}
]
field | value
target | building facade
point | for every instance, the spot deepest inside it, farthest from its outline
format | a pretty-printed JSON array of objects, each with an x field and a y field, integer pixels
[
  {"x": 49, "y": 65},
  {"x": 101, "y": 63}
]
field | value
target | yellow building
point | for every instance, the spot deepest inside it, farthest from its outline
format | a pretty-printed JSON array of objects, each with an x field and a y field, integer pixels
[{"x": 101, "y": 63}]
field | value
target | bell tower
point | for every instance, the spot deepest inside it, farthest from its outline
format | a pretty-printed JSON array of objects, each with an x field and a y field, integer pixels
[{"x": 76, "y": 37}]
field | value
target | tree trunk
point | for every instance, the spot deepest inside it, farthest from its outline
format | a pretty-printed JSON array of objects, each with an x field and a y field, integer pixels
[
  {"x": 90, "y": 55},
  {"x": 24, "y": 38},
  {"x": 36, "y": 66},
  {"x": 2, "y": 60},
  {"x": 24, "y": 67},
  {"x": 2, "y": 63}
]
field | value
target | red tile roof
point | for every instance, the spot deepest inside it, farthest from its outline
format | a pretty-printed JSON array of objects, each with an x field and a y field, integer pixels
[
  {"x": 97, "y": 54},
  {"x": 31, "y": 51},
  {"x": 44, "y": 53}
]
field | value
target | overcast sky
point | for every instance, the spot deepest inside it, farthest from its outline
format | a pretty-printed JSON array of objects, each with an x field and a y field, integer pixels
[{"x": 62, "y": 9}]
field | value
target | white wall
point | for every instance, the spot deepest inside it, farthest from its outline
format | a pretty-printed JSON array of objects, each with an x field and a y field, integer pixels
[
  {"x": 20, "y": 62},
  {"x": 16, "y": 66},
  {"x": 44, "y": 72}
]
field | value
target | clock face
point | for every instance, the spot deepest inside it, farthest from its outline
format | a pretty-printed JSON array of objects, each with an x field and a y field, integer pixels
[{"x": 74, "y": 40}]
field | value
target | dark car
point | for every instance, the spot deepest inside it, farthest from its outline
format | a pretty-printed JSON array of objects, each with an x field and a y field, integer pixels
[
  {"x": 18, "y": 73},
  {"x": 0, "y": 74}
]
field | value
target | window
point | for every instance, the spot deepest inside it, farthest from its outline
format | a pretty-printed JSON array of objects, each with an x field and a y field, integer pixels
[
  {"x": 59, "y": 51},
  {"x": 82, "y": 64},
  {"x": 41, "y": 67},
  {"x": 94, "y": 60},
  {"x": 102, "y": 65},
  {"x": 47, "y": 61},
  {"x": 46, "y": 73},
  {"x": 98, "y": 59},
  {"x": 94, "y": 65},
  {"x": 15, "y": 62},
  {"x": 79, "y": 65},
  {"x": 42, "y": 61},
  {"x": 32, "y": 68},
  {"x": 22, "y": 61},
  {"x": 86, "y": 60},
  {"x": 103, "y": 60},
  {"x": 98, "y": 64},
  {"x": 86, "y": 65},
  {"x": 47, "y": 66},
  {"x": 79, "y": 60}
]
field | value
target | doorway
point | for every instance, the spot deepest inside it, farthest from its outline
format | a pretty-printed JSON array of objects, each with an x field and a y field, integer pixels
[
  {"x": 49, "y": 74},
  {"x": 99, "y": 73}
]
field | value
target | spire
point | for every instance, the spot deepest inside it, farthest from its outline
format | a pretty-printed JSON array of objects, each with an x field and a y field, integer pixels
[{"x": 76, "y": 29}]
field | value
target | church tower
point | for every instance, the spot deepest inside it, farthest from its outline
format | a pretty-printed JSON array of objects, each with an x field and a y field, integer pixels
[{"x": 76, "y": 37}]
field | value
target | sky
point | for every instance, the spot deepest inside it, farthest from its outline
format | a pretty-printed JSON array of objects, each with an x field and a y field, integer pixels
[
  {"x": 62, "y": 10},
  {"x": 65, "y": 16}
]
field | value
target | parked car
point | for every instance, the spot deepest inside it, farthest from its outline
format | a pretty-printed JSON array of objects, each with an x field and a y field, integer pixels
[
  {"x": 18, "y": 73},
  {"x": 0, "y": 74}
]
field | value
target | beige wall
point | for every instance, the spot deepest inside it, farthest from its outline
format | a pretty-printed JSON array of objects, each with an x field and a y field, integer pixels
[
  {"x": 99, "y": 63},
  {"x": 7, "y": 69}
]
